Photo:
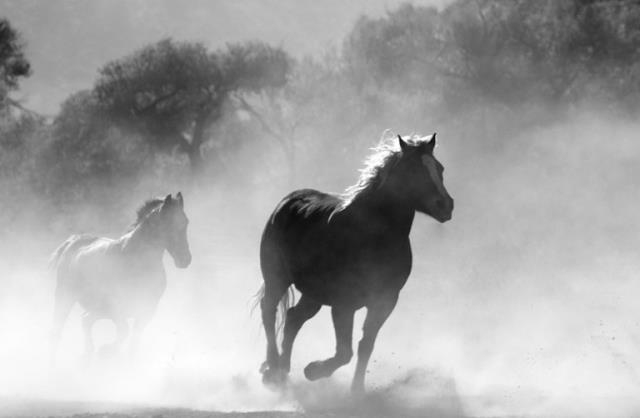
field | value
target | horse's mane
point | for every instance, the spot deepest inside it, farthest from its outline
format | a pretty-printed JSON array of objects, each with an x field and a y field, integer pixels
[
  {"x": 377, "y": 165},
  {"x": 145, "y": 210}
]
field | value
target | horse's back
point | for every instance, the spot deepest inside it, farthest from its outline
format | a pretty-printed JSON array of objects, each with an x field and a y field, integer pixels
[
  {"x": 99, "y": 246},
  {"x": 106, "y": 281},
  {"x": 302, "y": 207},
  {"x": 301, "y": 218},
  {"x": 63, "y": 255},
  {"x": 295, "y": 216}
]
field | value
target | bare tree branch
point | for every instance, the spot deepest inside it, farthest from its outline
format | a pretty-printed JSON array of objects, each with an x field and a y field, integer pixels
[
  {"x": 14, "y": 103},
  {"x": 248, "y": 108}
]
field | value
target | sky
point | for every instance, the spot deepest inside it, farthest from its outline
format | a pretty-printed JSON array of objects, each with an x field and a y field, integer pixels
[{"x": 68, "y": 41}]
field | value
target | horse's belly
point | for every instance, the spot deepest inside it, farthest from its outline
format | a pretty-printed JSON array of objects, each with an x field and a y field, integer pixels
[
  {"x": 117, "y": 303},
  {"x": 119, "y": 296},
  {"x": 347, "y": 288},
  {"x": 354, "y": 282},
  {"x": 332, "y": 295}
]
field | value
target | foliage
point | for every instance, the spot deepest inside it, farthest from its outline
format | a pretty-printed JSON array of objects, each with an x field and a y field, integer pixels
[
  {"x": 84, "y": 150},
  {"x": 21, "y": 139},
  {"x": 478, "y": 69},
  {"x": 172, "y": 92},
  {"x": 13, "y": 64},
  {"x": 504, "y": 51}
]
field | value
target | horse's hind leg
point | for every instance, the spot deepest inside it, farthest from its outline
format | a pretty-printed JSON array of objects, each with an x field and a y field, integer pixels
[
  {"x": 343, "y": 324},
  {"x": 269, "y": 308},
  {"x": 63, "y": 303},
  {"x": 122, "y": 330},
  {"x": 296, "y": 317},
  {"x": 88, "y": 319},
  {"x": 277, "y": 280},
  {"x": 139, "y": 325}
]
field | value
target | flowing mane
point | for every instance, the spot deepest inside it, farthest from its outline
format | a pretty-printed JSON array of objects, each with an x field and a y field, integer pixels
[
  {"x": 145, "y": 210},
  {"x": 377, "y": 165}
]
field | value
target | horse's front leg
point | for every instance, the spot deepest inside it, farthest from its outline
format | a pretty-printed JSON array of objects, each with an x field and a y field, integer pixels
[
  {"x": 122, "y": 332},
  {"x": 377, "y": 314},
  {"x": 343, "y": 325},
  {"x": 114, "y": 349},
  {"x": 62, "y": 306},
  {"x": 139, "y": 325}
]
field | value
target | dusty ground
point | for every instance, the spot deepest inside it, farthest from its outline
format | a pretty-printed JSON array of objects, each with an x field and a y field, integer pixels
[{"x": 31, "y": 409}]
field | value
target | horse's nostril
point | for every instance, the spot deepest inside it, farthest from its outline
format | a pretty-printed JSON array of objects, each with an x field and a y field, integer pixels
[{"x": 440, "y": 204}]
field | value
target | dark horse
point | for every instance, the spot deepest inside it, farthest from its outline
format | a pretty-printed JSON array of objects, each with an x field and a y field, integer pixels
[
  {"x": 120, "y": 279},
  {"x": 348, "y": 252}
]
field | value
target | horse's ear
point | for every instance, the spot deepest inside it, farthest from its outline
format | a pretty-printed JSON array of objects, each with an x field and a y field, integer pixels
[
  {"x": 403, "y": 145},
  {"x": 180, "y": 200},
  {"x": 430, "y": 145},
  {"x": 167, "y": 200}
]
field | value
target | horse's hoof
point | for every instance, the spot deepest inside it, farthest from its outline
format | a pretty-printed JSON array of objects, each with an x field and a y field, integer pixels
[
  {"x": 264, "y": 367},
  {"x": 315, "y": 370},
  {"x": 273, "y": 378},
  {"x": 108, "y": 352},
  {"x": 357, "y": 390}
]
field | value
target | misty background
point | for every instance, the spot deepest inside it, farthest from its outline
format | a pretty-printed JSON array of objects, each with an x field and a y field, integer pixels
[{"x": 525, "y": 303}]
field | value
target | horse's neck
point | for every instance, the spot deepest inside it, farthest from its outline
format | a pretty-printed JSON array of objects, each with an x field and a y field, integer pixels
[
  {"x": 384, "y": 211},
  {"x": 143, "y": 242}
]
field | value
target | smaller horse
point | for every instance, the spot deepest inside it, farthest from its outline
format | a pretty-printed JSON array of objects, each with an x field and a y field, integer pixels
[
  {"x": 120, "y": 279},
  {"x": 347, "y": 251}
]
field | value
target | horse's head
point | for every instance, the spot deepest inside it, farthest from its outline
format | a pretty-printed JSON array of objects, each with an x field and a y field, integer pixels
[
  {"x": 420, "y": 178},
  {"x": 174, "y": 230}
]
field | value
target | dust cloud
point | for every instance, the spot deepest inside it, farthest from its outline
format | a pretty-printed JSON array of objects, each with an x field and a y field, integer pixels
[{"x": 525, "y": 303}]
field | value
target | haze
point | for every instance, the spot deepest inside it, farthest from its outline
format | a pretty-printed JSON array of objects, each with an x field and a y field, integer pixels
[{"x": 525, "y": 303}]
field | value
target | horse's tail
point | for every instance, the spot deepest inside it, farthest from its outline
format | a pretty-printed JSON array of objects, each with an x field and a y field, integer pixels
[
  {"x": 287, "y": 301},
  {"x": 71, "y": 243}
]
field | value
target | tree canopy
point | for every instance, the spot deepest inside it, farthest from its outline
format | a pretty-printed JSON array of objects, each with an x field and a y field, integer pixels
[
  {"x": 477, "y": 69},
  {"x": 13, "y": 63},
  {"x": 171, "y": 92},
  {"x": 504, "y": 51}
]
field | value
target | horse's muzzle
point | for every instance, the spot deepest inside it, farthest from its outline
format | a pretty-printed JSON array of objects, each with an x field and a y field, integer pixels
[
  {"x": 182, "y": 262},
  {"x": 442, "y": 210},
  {"x": 444, "y": 217}
]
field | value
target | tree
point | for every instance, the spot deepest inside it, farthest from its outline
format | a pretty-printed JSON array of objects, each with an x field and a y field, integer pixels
[
  {"x": 319, "y": 105},
  {"x": 85, "y": 149},
  {"x": 400, "y": 49},
  {"x": 502, "y": 52},
  {"x": 172, "y": 92},
  {"x": 13, "y": 64}
]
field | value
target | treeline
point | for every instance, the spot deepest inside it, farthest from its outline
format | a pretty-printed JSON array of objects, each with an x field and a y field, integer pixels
[{"x": 249, "y": 113}]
